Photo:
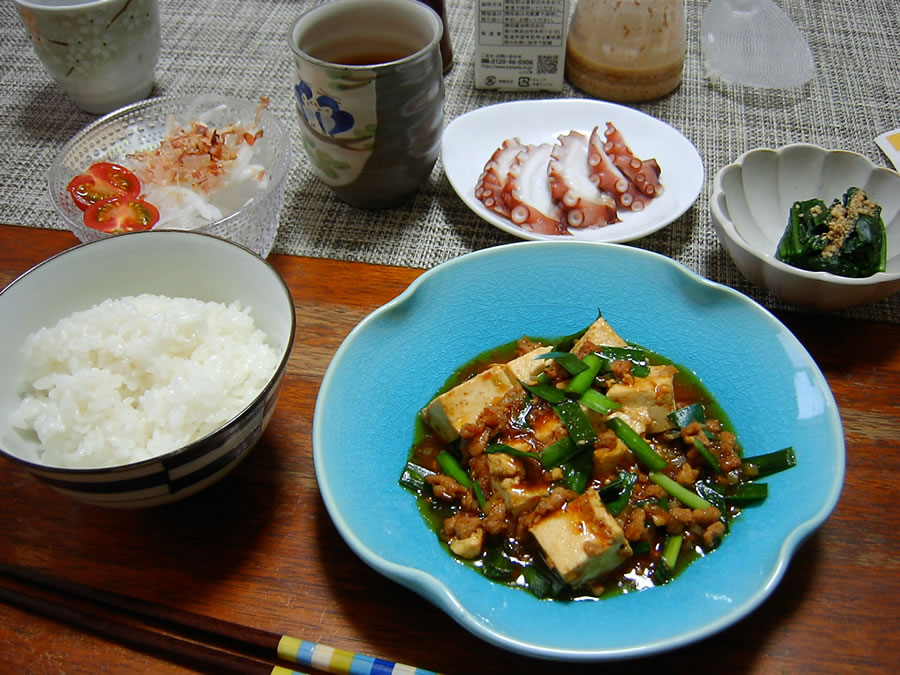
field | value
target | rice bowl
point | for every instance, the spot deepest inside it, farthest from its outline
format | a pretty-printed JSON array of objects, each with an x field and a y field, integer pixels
[{"x": 173, "y": 264}]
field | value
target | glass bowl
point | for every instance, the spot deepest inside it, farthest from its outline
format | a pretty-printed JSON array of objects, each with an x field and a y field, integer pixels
[{"x": 142, "y": 126}]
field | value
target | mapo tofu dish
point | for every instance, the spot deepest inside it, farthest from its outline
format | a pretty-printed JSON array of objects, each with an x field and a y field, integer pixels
[{"x": 581, "y": 467}]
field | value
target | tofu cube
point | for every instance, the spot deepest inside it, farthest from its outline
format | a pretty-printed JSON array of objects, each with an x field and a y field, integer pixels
[
  {"x": 526, "y": 367},
  {"x": 654, "y": 394},
  {"x": 581, "y": 540},
  {"x": 452, "y": 410},
  {"x": 508, "y": 480},
  {"x": 599, "y": 333}
]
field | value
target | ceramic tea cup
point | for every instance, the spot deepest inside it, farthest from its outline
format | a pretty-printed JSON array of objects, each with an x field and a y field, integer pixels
[
  {"x": 103, "y": 53},
  {"x": 369, "y": 92}
]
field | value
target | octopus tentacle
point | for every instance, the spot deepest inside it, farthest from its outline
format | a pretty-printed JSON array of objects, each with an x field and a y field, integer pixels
[
  {"x": 644, "y": 174},
  {"x": 582, "y": 202},
  {"x": 489, "y": 189},
  {"x": 607, "y": 176},
  {"x": 527, "y": 192}
]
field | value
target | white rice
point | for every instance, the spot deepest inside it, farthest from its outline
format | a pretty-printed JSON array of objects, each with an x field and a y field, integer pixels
[{"x": 136, "y": 377}]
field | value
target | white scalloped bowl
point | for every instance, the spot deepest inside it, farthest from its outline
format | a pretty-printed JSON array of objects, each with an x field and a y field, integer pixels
[
  {"x": 750, "y": 204},
  {"x": 143, "y": 125}
]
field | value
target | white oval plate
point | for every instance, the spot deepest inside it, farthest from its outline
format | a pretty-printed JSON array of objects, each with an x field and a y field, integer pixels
[{"x": 470, "y": 139}]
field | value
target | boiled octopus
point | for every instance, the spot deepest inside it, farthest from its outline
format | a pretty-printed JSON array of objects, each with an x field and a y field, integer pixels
[
  {"x": 614, "y": 168},
  {"x": 577, "y": 182},
  {"x": 582, "y": 202}
]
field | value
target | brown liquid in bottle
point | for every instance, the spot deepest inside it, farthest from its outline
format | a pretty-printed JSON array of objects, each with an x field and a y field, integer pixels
[{"x": 626, "y": 50}]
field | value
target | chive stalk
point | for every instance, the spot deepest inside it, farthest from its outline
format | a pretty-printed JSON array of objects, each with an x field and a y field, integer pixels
[
  {"x": 690, "y": 499},
  {"x": 581, "y": 381},
  {"x": 771, "y": 462},
  {"x": 641, "y": 449},
  {"x": 594, "y": 400}
]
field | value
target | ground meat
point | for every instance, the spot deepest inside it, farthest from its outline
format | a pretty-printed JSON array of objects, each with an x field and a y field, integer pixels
[
  {"x": 687, "y": 474},
  {"x": 445, "y": 488},
  {"x": 658, "y": 515},
  {"x": 644, "y": 489},
  {"x": 606, "y": 439},
  {"x": 622, "y": 370},
  {"x": 480, "y": 470},
  {"x": 729, "y": 459},
  {"x": 634, "y": 524},
  {"x": 707, "y": 516},
  {"x": 495, "y": 517},
  {"x": 691, "y": 430},
  {"x": 679, "y": 519},
  {"x": 712, "y": 535},
  {"x": 460, "y": 526}
]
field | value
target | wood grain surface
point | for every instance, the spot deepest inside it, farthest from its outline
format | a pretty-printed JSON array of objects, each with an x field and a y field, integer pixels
[{"x": 260, "y": 549}]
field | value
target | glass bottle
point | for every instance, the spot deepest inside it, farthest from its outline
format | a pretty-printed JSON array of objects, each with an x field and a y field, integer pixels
[
  {"x": 626, "y": 50},
  {"x": 446, "y": 47}
]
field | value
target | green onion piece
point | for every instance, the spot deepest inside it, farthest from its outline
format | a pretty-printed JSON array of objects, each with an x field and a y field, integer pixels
[
  {"x": 684, "y": 416},
  {"x": 616, "y": 505},
  {"x": 451, "y": 467},
  {"x": 509, "y": 450},
  {"x": 594, "y": 400},
  {"x": 690, "y": 499},
  {"x": 769, "y": 463},
  {"x": 583, "y": 380},
  {"x": 567, "y": 360},
  {"x": 495, "y": 565},
  {"x": 747, "y": 493},
  {"x": 613, "y": 488},
  {"x": 640, "y": 365},
  {"x": 577, "y": 471},
  {"x": 557, "y": 453},
  {"x": 665, "y": 568},
  {"x": 576, "y": 420},
  {"x": 641, "y": 449},
  {"x": 566, "y": 343},
  {"x": 640, "y": 547},
  {"x": 413, "y": 477},
  {"x": 542, "y": 584},
  {"x": 707, "y": 454},
  {"x": 545, "y": 391}
]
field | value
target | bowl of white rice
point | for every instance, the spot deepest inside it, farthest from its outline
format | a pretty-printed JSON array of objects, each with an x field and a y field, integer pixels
[
  {"x": 209, "y": 163},
  {"x": 142, "y": 368}
]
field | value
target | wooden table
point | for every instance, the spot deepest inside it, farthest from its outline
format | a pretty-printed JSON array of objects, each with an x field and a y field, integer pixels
[{"x": 260, "y": 549}]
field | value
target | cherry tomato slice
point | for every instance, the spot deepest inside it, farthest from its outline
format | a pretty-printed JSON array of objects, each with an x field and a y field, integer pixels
[
  {"x": 102, "y": 181},
  {"x": 121, "y": 214}
]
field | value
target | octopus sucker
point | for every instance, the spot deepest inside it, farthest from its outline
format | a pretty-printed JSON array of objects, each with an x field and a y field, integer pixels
[
  {"x": 580, "y": 181},
  {"x": 584, "y": 204},
  {"x": 609, "y": 177},
  {"x": 489, "y": 189},
  {"x": 527, "y": 192},
  {"x": 644, "y": 174}
]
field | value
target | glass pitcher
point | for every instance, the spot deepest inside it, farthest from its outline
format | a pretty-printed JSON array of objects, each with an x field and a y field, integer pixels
[{"x": 626, "y": 50}]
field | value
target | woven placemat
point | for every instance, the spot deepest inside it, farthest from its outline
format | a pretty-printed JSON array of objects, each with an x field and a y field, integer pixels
[{"x": 239, "y": 48}]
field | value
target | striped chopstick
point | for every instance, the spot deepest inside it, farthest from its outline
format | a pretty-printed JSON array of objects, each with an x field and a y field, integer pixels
[
  {"x": 230, "y": 647},
  {"x": 329, "y": 659}
]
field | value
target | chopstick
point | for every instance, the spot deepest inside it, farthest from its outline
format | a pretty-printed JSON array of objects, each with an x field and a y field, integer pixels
[{"x": 188, "y": 637}]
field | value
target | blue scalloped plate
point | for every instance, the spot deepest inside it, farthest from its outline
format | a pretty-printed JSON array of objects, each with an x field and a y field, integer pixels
[{"x": 399, "y": 356}]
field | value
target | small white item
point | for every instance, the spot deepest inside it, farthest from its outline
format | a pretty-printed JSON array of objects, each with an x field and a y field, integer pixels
[
  {"x": 889, "y": 142},
  {"x": 753, "y": 42}
]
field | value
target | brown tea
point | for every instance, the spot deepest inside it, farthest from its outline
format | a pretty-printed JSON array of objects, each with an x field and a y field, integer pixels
[{"x": 362, "y": 55}]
